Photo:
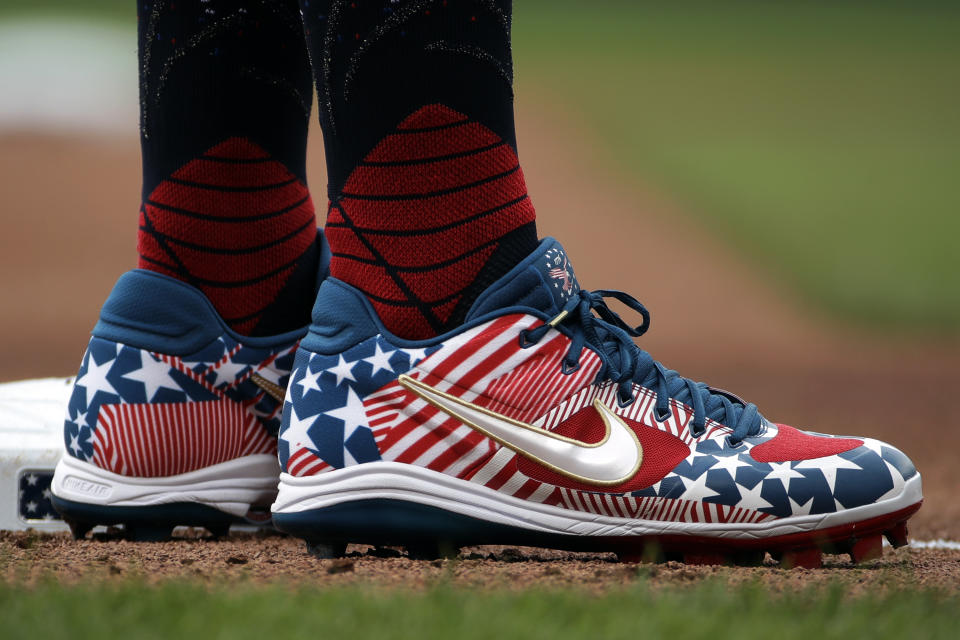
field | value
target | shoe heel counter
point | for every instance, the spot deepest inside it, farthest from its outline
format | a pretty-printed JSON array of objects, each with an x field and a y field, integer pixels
[
  {"x": 141, "y": 413},
  {"x": 341, "y": 318},
  {"x": 157, "y": 313}
]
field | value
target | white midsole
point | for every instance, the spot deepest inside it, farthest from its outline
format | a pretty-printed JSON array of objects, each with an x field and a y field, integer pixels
[
  {"x": 231, "y": 486},
  {"x": 406, "y": 482}
]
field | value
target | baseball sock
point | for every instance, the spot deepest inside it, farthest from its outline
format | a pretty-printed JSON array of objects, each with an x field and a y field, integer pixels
[
  {"x": 225, "y": 98},
  {"x": 428, "y": 201}
]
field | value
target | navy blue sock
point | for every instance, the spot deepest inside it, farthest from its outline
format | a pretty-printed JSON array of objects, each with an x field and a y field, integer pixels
[
  {"x": 225, "y": 99},
  {"x": 428, "y": 202}
]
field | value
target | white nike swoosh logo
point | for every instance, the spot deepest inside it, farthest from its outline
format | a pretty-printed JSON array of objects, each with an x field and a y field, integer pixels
[{"x": 612, "y": 461}]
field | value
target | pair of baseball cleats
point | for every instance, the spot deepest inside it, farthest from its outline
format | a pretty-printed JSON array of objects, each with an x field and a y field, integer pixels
[{"x": 538, "y": 422}]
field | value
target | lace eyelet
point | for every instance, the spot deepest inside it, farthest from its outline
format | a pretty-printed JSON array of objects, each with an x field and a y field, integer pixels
[
  {"x": 625, "y": 403},
  {"x": 525, "y": 341},
  {"x": 661, "y": 418},
  {"x": 567, "y": 369},
  {"x": 730, "y": 443},
  {"x": 697, "y": 433}
]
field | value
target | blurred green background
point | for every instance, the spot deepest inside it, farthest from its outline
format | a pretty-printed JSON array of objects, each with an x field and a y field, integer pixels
[
  {"x": 819, "y": 139},
  {"x": 822, "y": 139}
]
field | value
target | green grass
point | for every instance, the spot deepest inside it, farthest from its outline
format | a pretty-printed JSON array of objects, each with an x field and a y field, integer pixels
[
  {"x": 710, "y": 611},
  {"x": 119, "y": 10},
  {"x": 822, "y": 139}
]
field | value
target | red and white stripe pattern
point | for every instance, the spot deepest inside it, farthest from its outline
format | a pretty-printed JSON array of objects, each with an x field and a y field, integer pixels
[
  {"x": 653, "y": 508},
  {"x": 163, "y": 439},
  {"x": 158, "y": 440},
  {"x": 304, "y": 463},
  {"x": 642, "y": 410},
  {"x": 487, "y": 366},
  {"x": 531, "y": 389},
  {"x": 264, "y": 369},
  {"x": 500, "y": 473},
  {"x": 496, "y": 470}
]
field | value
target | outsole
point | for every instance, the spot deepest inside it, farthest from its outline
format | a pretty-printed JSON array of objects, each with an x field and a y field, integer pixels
[
  {"x": 429, "y": 532},
  {"x": 238, "y": 491},
  {"x": 152, "y": 523}
]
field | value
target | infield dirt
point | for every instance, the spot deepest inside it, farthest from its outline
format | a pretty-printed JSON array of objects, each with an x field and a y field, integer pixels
[
  {"x": 69, "y": 229},
  {"x": 27, "y": 558}
]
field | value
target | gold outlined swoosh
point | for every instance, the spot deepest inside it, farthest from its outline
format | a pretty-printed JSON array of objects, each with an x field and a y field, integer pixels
[
  {"x": 612, "y": 461},
  {"x": 275, "y": 391}
]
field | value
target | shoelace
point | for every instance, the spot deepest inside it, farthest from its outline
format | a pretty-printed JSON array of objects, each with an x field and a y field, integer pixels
[{"x": 625, "y": 363}]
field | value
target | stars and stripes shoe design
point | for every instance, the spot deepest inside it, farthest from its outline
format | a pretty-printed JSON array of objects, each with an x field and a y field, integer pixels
[
  {"x": 541, "y": 423},
  {"x": 173, "y": 418}
]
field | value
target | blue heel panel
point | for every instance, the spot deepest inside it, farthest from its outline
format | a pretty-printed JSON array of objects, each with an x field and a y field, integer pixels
[
  {"x": 152, "y": 311},
  {"x": 341, "y": 319},
  {"x": 526, "y": 285}
]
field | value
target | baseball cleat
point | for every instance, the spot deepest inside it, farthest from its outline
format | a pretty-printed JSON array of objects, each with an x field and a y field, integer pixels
[
  {"x": 173, "y": 417},
  {"x": 541, "y": 423}
]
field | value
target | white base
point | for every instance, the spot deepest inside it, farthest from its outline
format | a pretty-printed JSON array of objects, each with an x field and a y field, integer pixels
[
  {"x": 231, "y": 486},
  {"x": 410, "y": 483},
  {"x": 31, "y": 443}
]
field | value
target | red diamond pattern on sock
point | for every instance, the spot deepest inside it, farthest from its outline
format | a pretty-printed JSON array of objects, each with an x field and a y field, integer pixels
[
  {"x": 233, "y": 223},
  {"x": 417, "y": 220}
]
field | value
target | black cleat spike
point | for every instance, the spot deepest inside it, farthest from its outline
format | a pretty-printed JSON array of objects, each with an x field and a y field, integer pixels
[
  {"x": 702, "y": 558},
  {"x": 432, "y": 551},
  {"x": 148, "y": 532},
  {"x": 423, "y": 552},
  {"x": 79, "y": 529},
  {"x": 326, "y": 550},
  {"x": 748, "y": 558}
]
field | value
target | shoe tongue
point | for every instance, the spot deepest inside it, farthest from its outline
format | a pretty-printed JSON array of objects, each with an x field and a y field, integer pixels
[{"x": 544, "y": 281}]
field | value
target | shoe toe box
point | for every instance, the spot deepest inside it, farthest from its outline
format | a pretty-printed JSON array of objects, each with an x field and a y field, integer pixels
[
  {"x": 831, "y": 473},
  {"x": 872, "y": 473}
]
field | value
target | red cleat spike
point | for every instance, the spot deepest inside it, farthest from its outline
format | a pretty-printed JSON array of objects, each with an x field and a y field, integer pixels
[
  {"x": 897, "y": 536},
  {"x": 705, "y": 558},
  {"x": 869, "y": 548},
  {"x": 810, "y": 558}
]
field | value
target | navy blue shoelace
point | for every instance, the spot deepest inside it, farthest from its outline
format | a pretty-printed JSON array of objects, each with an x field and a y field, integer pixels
[{"x": 625, "y": 363}]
